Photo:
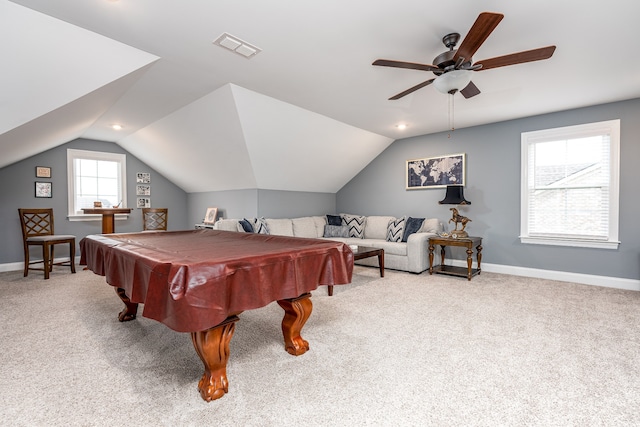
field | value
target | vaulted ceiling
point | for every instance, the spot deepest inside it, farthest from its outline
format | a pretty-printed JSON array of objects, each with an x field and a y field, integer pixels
[{"x": 308, "y": 111}]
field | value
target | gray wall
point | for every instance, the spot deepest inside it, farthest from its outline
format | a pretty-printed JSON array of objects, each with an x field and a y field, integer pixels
[
  {"x": 493, "y": 188},
  {"x": 230, "y": 204},
  {"x": 256, "y": 203},
  {"x": 17, "y": 191},
  {"x": 294, "y": 204}
]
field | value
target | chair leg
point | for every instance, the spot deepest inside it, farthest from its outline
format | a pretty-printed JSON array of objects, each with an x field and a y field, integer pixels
[
  {"x": 52, "y": 258},
  {"x": 72, "y": 256},
  {"x": 46, "y": 255},
  {"x": 26, "y": 261}
]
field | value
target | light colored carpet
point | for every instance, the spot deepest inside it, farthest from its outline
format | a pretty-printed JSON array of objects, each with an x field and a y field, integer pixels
[{"x": 402, "y": 350}]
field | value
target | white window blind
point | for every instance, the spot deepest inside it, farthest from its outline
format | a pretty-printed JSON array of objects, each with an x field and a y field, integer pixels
[{"x": 570, "y": 185}]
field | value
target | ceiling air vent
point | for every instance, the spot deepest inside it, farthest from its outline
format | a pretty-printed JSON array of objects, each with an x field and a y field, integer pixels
[{"x": 236, "y": 45}]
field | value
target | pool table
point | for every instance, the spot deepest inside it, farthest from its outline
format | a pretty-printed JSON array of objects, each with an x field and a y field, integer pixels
[{"x": 200, "y": 281}]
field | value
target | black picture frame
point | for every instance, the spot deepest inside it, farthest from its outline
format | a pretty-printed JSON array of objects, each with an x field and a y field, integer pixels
[{"x": 43, "y": 189}]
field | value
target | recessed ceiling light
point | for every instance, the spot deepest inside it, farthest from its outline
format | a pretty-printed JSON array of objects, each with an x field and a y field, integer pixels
[
  {"x": 116, "y": 126},
  {"x": 402, "y": 126},
  {"x": 236, "y": 45}
]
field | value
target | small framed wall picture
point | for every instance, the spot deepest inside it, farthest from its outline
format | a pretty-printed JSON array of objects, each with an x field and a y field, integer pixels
[
  {"x": 210, "y": 216},
  {"x": 43, "y": 172},
  {"x": 143, "y": 190},
  {"x": 143, "y": 177},
  {"x": 43, "y": 189},
  {"x": 143, "y": 202}
]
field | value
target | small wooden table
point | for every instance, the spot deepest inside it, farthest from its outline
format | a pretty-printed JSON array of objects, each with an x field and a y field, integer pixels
[
  {"x": 361, "y": 252},
  {"x": 467, "y": 242},
  {"x": 108, "y": 217}
]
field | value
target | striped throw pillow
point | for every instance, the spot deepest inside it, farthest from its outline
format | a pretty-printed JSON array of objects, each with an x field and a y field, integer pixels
[
  {"x": 395, "y": 229},
  {"x": 355, "y": 224},
  {"x": 260, "y": 225}
]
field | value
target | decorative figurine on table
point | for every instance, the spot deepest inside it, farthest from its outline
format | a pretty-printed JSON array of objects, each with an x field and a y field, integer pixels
[{"x": 459, "y": 219}]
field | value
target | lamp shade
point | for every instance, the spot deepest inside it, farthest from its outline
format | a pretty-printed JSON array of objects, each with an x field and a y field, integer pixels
[
  {"x": 454, "y": 196},
  {"x": 452, "y": 81}
]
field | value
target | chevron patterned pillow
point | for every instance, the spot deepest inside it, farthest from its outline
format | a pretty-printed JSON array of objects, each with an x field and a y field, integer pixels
[
  {"x": 355, "y": 224},
  {"x": 395, "y": 229},
  {"x": 260, "y": 225}
]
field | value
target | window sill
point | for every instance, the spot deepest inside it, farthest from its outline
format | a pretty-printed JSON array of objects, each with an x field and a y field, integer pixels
[
  {"x": 96, "y": 217},
  {"x": 598, "y": 244}
]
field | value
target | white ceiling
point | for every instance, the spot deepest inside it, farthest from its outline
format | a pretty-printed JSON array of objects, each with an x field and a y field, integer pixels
[{"x": 309, "y": 111}]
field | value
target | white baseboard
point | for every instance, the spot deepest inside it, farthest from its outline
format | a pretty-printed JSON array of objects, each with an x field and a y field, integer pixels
[
  {"x": 19, "y": 266},
  {"x": 563, "y": 276}
]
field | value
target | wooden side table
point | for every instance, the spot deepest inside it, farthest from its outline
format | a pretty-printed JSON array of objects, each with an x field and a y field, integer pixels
[
  {"x": 469, "y": 243},
  {"x": 108, "y": 217},
  {"x": 361, "y": 252}
]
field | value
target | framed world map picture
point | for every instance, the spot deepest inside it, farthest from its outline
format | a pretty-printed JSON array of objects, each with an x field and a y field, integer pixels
[{"x": 436, "y": 172}]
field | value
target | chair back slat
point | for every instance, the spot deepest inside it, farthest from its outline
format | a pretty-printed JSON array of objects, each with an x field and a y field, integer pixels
[
  {"x": 154, "y": 218},
  {"x": 36, "y": 222}
]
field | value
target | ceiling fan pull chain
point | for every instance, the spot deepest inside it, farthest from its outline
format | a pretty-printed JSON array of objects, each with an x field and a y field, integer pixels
[{"x": 451, "y": 111}]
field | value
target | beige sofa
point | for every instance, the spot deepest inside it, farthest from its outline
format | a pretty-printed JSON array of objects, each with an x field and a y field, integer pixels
[{"x": 411, "y": 256}]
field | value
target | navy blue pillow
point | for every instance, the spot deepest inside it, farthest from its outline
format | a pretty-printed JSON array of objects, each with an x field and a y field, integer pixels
[
  {"x": 246, "y": 225},
  {"x": 334, "y": 220},
  {"x": 411, "y": 226}
]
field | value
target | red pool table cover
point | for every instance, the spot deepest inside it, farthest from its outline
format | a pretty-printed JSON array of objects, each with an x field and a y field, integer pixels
[{"x": 193, "y": 280}]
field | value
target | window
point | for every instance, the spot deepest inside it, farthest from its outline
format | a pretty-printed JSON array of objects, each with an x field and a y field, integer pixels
[
  {"x": 569, "y": 186},
  {"x": 95, "y": 176}
]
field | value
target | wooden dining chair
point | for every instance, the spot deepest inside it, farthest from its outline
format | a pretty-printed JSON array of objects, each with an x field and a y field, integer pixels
[
  {"x": 37, "y": 230},
  {"x": 154, "y": 218}
]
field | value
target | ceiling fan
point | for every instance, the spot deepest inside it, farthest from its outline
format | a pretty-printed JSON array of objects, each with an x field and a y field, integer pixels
[{"x": 453, "y": 67}]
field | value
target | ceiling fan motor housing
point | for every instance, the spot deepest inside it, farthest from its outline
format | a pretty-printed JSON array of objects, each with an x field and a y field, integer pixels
[{"x": 445, "y": 61}]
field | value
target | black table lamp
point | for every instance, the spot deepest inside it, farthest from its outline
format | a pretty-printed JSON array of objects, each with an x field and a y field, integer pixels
[{"x": 455, "y": 196}]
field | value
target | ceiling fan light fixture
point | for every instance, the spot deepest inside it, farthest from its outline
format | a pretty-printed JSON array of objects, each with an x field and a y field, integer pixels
[{"x": 454, "y": 80}]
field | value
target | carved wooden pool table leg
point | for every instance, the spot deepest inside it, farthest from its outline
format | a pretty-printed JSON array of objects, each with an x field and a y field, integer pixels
[
  {"x": 212, "y": 346},
  {"x": 296, "y": 312},
  {"x": 131, "y": 308}
]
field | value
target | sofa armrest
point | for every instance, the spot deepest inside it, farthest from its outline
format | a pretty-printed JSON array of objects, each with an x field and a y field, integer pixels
[
  {"x": 226, "y": 225},
  {"x": 418, "y": 251}
]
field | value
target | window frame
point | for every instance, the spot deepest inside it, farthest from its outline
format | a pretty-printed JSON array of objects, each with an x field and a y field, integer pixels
[
  {"x": 73, "y": 154},
  {"x": 610, "y": 127}
]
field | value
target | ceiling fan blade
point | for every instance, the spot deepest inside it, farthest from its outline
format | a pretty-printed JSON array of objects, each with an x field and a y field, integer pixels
[
  {"x": 409, "y": 65},
  {"x": 517, "y": 58},
  {"x": 484, "y": 25},
  {"x": 412, "y": 89},
  {"x": 470, "y": 90}
]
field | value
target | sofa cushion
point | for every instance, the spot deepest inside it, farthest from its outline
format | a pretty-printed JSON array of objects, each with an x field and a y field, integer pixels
[
  {"x": 336, "y": 231},
  {"x": 412, "y": 226},
  {"x": 244, "y": 225},
  {"x": 226, "y": 225},
  {"x": 395, "y": 229},
  {"x": 390, "y": 248},
  {"x": 260, "y": 225},
  {"x": 376, "y": 227},
  {"x": 320, "y": 222},
  {"x": 334, "y": 220},
  {"x": 430, "y": 225},
  {"x": 355, "y": 223},
  {"x": 304, "y": 227},
  {"x": 280, "y": 227}
]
